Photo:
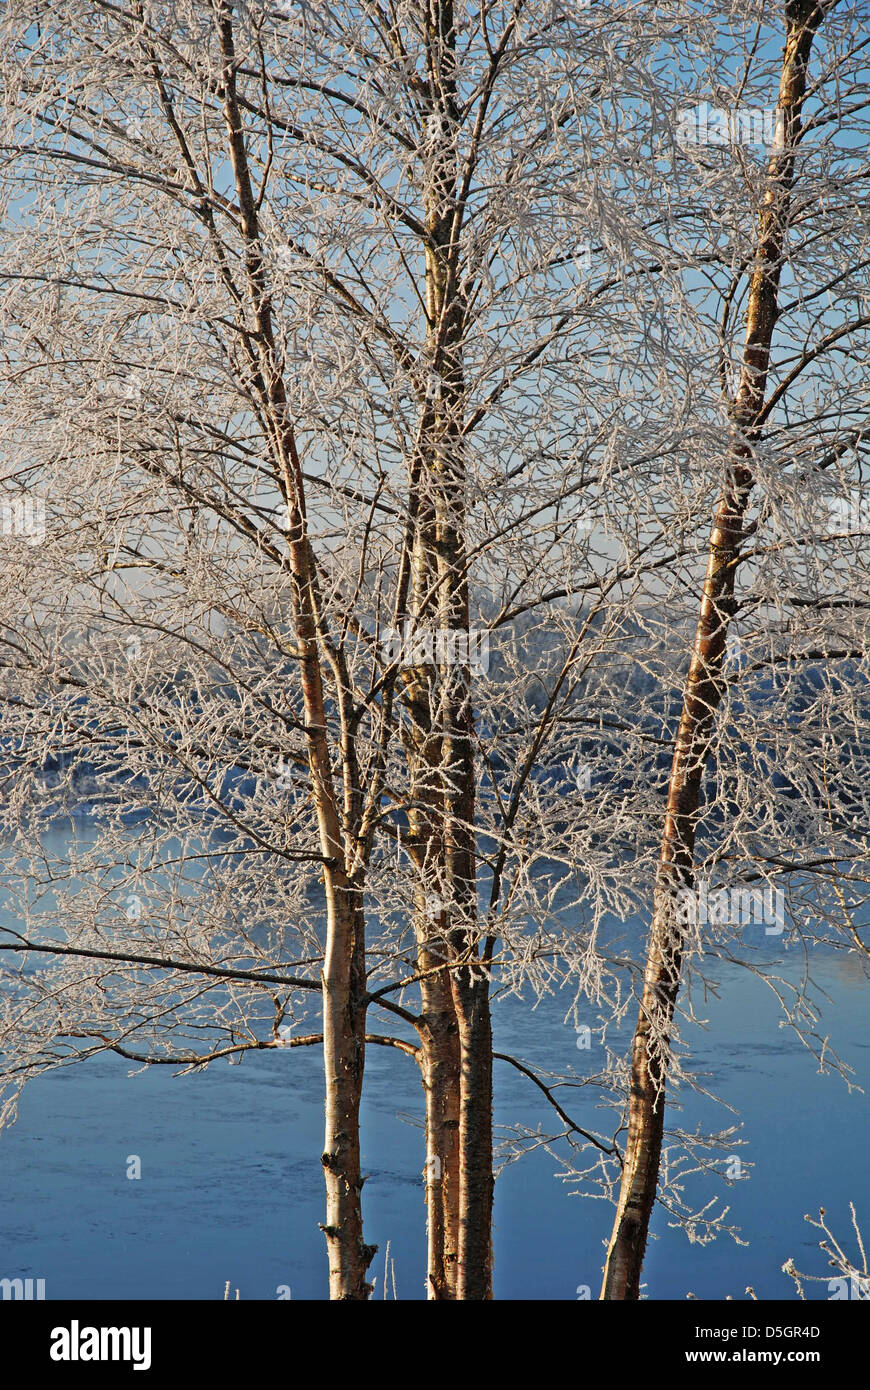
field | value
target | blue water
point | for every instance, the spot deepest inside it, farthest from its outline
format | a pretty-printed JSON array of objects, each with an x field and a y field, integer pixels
[{"x": 231, "y": 1185}]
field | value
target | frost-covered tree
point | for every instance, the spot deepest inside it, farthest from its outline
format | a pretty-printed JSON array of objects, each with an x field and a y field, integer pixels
[
  {"x": 796, "y": 411},
  {"x": 369, "y": 385}
]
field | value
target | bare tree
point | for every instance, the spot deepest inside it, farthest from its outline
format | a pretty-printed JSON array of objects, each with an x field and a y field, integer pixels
[
  {"x": 247, "y": 238},
  {"x": 752, "y": 411},
  {"x": 359, "y": 358}
]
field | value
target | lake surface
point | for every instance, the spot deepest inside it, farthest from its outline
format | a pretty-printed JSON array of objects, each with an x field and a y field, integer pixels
[{"x": 231, "y": 1185}]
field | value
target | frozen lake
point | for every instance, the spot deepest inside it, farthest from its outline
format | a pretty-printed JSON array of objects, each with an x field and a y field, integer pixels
[{"x": 231, "y": 1185}]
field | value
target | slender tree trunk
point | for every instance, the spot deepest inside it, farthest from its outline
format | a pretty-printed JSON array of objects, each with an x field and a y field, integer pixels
[
  {"x": 703, "y": 689},
  {"x": 476, "y": 1185},
  {"x": 440, "y": 1061},
  {"x": 343, "y": 976},
  {"x": 470, "y": 980},
  {"x": 441, "y": 1064},
  {"x": 456, "y": 1051},
  {"x": 438, "y": 1031},
  {"x": 344, "y": 1014}
]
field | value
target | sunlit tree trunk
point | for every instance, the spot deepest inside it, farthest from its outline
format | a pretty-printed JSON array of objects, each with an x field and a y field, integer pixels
[
  {"x": 439, "y": 1037},
  {"x": 703, "y": 688},
  {"x": 456, "y": 1036},
  {"x": 441, "y": 1069},
  {"x": 343, "y": 976}
]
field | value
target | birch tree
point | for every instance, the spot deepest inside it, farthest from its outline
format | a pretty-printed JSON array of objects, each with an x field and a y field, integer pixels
[
  {"x": 255, "y": 258},
  {"x": 789, "y": 412},
  {"x": 361, "y": 377}
]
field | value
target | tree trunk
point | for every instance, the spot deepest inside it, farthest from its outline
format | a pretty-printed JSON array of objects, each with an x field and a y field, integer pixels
[
  {"x": 344, "y": 1014},
  {"x": 476, "y": 1184},
  {"x": 456, "y": 1052},
  {"x": 440, "y": 1062},
  {"x": 470, "y": 982},
  {"x": 343, "y": 977},
  {"x": 703, "y": 689}
]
